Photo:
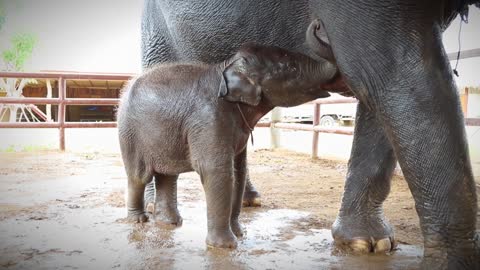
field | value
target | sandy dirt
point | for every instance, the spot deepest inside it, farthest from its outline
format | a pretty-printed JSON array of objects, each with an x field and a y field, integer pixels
[{"x": 66, "y": 211}]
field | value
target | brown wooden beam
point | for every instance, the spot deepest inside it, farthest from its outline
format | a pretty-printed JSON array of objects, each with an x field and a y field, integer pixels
[
  {"x": 67, "y": 76},
  {"x": 42, "y": 101},
  {"x": 464, "y": 54},
  {"x": 92, "y": 101},
  {"x": 333, "y": 101}
]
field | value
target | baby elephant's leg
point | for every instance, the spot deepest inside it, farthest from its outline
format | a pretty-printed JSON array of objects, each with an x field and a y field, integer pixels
[
  {"x": 166, "y": 200},
  {"x": 218, "y": 185},
  {"x": 238, "y": 191},
  {"x": 135, "y": 200}
]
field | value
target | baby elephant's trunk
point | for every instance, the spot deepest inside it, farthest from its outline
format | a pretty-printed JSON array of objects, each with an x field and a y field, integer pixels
[
  {"x": 320, "y": 71},
  {"x": 273, "y": 65},
  {"x": 281, "y": 77},
  {"x": 317, "y": 71}
]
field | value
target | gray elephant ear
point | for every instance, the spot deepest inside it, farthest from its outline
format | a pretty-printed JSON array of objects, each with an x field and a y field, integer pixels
[
  {"x": 235, "y": 86},
  {"x": 222, "y": 88}
]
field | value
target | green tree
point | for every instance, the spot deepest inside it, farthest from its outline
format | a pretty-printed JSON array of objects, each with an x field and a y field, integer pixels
[
  {"x": 22, "y": 45},
  {"x": 14, "y": 59},
  {"x": 22, "y": 48}
]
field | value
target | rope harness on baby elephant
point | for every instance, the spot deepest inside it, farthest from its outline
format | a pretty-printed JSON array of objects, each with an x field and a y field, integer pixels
[{"x": 246, "y": 122}]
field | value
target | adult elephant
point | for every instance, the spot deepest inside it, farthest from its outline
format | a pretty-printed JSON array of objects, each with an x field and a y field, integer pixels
[{"x": 391, "y": 54}]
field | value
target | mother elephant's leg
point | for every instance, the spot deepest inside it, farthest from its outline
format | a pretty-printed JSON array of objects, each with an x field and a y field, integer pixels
[
  {"x": 361, "y": 224},
  {"x": 251, "y": 197},
  {"x": 394, "y": 49}
]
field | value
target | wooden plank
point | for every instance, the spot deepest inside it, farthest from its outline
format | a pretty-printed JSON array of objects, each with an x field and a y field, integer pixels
[
  {"x": 68, "y": 76},
  {"x": 464, "y": 54},
  {"x": 333, "y": 101}
]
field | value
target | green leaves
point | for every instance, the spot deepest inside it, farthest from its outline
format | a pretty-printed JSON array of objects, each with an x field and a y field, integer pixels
[{"x": 22, "y": 48}]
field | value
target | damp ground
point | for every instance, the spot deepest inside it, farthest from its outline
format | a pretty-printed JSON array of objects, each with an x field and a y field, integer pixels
[{"x": 66, "y": 211}]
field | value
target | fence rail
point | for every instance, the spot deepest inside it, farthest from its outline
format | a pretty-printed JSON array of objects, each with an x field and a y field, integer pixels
[{"x": 62, "y": 101}]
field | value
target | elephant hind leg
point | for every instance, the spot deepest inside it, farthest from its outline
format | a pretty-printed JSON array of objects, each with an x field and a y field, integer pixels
[
  {"x": 165, "y": 210},
  {"x": 135, "y": 198},
  {"x": 361, "y": 225}
]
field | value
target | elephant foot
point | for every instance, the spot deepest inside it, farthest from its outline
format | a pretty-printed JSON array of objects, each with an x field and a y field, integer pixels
[
  {"x": 149, "y": 207},
  {"x": 221, "y": 240},
  {"x": 251, "y": 198},
  {"x": 135, "y": 217},
  {"x": 363, "y": 234},
  {"x": 237, "y": 229},
  {"x": 465, "y": 254},
  {"x": 149, "y": 197},
  {"x": 167, "y": 217}
]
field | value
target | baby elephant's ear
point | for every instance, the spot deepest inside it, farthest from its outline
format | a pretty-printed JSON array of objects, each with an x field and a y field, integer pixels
[{"x": 237, "y": 87}]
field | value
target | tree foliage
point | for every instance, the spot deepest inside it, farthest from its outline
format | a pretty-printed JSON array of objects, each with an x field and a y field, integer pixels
[
  {"x": 22, "y": 45},
  {"x": 22, "y": 48}
]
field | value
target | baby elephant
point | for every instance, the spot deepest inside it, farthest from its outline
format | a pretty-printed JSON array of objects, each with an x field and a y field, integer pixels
[{"x": 178, "y": 118}]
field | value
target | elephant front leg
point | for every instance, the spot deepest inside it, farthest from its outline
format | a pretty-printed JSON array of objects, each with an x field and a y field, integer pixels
[
  {"x": 218, "y": 186},
  {"x": 433, "y": 154},
  {"x": 165, "y": 210},
  {"x": 361, "y": 225},
  {"x": 238, "y": 191}
]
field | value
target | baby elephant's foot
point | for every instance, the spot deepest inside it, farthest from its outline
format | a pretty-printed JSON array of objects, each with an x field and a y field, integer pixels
[
  {"x": 221, "y": 240},
  {"x": 168, "y": 217},
  {"x": 137, "y": 217},
  {"x": 237, "y": 228}
]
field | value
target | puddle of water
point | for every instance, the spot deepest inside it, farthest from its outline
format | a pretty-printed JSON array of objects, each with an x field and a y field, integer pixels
[
  {"x": 94, "y": 238},
  {"x": 69, "y": 225}
]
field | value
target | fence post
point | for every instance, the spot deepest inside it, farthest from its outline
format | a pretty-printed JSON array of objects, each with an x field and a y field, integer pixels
[
  {"x": 466, "y": 101},
  {"x": 62, "y": 91},
  {"x": 276, "y": 116},
  {"x": 316, "y": 122},
  {"x": 48, "y": 107}
]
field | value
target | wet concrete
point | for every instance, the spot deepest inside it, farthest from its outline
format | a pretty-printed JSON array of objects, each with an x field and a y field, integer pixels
[{"x": 77, "y": 222}]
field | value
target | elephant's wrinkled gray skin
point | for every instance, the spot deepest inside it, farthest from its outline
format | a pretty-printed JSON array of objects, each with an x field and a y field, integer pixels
[
  {"x": 392, "y": 56},
  {"x": 182, "y": 117}
]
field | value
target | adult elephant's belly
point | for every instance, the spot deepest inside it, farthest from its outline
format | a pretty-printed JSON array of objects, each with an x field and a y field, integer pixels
[{"x": 211, "y": 31}]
